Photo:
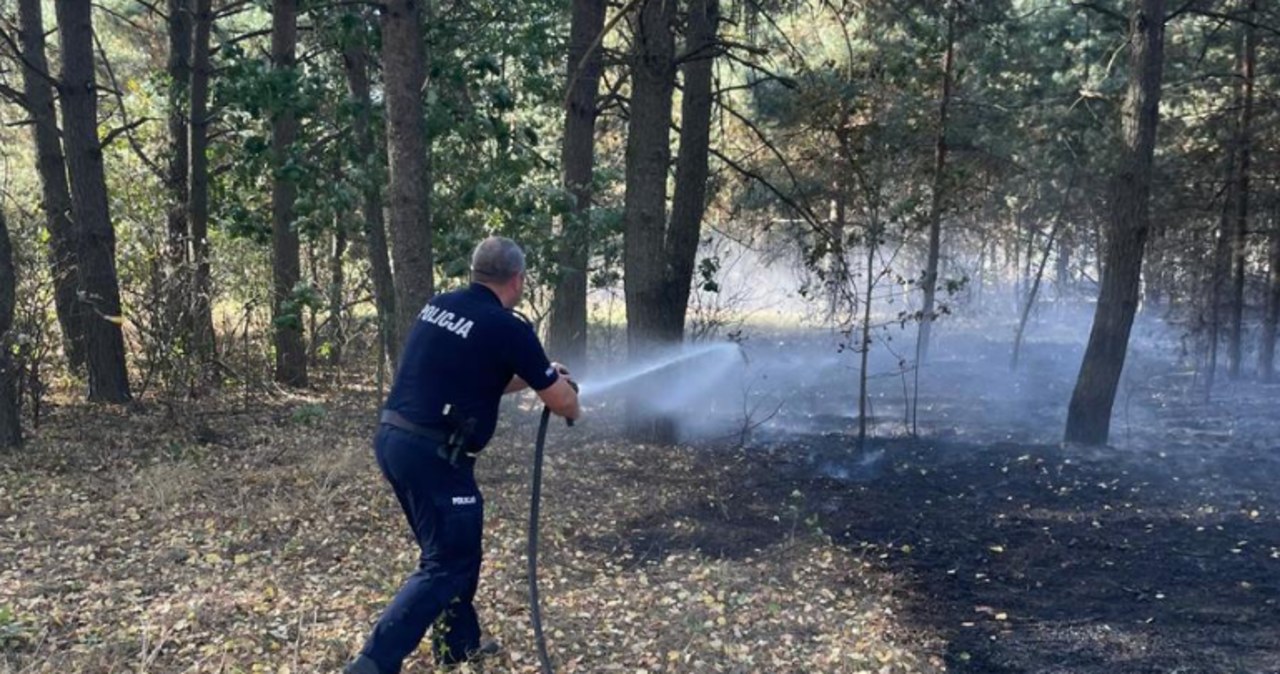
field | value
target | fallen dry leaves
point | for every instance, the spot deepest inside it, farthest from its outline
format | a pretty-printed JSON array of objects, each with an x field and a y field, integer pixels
[{"x": 128, "y": 545}]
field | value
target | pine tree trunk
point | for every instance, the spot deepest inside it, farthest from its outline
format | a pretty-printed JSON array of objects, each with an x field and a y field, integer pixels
[
  {"x": 648, "y": 156},
  {"x": 1219, "y": 270},
  {"x": 409, "y": 192},
  {"x": 689, "y": 203},
  {"x": 1240, "y": 231},
  {"x": 356, "y": 63},
  {"x": 198, "y": 202},
  {"x": 54, "y": 192},
  {"x": 1267, "y": 352},
  {"x": 105, "y": 356},
  {"x": 291, "y": 353},
  {"x": 1089, "y": 414},
  {"x": 930, "y": 281},
  {"x": 178, "y": 267},
  {"x": 10, "y": 427},
  {"x": 568, "y": 331},
  {"x": 337, "y": 293}
]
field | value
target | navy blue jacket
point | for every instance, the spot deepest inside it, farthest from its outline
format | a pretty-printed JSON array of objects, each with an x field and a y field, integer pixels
[{"x": 462, "y": 352}]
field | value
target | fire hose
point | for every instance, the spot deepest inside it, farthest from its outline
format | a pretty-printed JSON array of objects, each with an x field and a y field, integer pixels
[{"x": 535, "y": 499}]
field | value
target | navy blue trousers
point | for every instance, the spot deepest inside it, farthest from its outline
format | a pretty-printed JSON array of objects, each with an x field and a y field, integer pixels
[{"x": 446, "y": 513}]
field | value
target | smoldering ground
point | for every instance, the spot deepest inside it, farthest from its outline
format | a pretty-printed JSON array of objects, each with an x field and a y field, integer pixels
[{"x": 1156, "y": 553}]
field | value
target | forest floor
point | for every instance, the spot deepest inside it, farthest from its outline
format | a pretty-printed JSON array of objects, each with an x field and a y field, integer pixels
[{"x": 224, "y": 537}]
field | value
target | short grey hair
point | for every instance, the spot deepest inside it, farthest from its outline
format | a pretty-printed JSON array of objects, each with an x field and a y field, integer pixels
[{"x": 497, "y": 259}]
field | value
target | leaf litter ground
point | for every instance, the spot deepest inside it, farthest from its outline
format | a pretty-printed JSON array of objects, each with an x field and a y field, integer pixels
[{"x": 226, "y": 540}]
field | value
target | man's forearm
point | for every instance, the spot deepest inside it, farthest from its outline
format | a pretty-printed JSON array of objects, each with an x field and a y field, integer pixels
[{"x": 516, "y": 384}]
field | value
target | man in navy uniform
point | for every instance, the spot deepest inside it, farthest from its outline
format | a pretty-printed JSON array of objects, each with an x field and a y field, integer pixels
[{"x": 467, "y": 349}]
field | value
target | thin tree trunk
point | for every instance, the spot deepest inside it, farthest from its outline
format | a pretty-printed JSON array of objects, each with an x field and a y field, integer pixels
[
  {"x": 179, "y": 71},
  {"x": 409, "y": 192},
  {"x": 1035, "y": 281},
  {"x": 1219, "y": 270},
  {"x": 356, "y": 62},
  {"x": 337, "y": 292},
  {"x": 108, "y": 378},
  {"x": 291, "y": 354},
  {"x": 873, "y": 238},
  {"x": 930, "y": 281},
  {"x": 1267, "y": 352},
  {"x": 648, "y": 155},
  {"x": 198, "y": 201},
  {"x": 1089, "y": 414},
  {"x": 54, "y": 192},
  {"x": 568, "y": 331},
  {"x": 1240, "y": 232},
  {"x": 1062, "y": 264},
  {"x": 10, "y": 426}
]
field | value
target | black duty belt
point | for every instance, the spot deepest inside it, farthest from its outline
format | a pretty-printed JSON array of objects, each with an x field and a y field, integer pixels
[{"x": 448, "y": 447}]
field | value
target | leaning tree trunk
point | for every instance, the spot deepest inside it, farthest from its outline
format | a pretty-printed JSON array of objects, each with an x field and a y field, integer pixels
[
  {"x": 1267, "y": 352},
  {"x": 930, "y": 281},
  {"x": 108, "y": 378},
  {"x": 291, "y": 353},
  {"x": 409, "y": 191},
  {"x": 179, "y": 71},
  {"x": 568, "y": 331},
  {"x": 648, "y": 154},
  {"x": 1089, "y": 414},
  {"x": 52, "y": 167},
  {"x": 10, "y": 429},
  {"x": 198, "y": 200},
  {"x": 1240, "y": 232},
  {"x": 689, "y": 203},
  {"x": 1030, "y": 301},
  {"x": 356, "y": 63}
]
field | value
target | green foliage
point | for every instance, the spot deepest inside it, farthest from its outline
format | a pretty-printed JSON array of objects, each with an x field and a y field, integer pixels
[{"x": 309, "y": 414}]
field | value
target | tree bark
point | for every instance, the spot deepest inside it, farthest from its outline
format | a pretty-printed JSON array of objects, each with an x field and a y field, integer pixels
[
  {"x": 337, "y": 293},
  {"x": 1240, "y": 231},
  {"x": 689, "y": 203},
  {"x": 356, "y": 64},
  {"x": 291, "y": 353},
  {"x": 930, "y": 281},
  {"x": 105, "y": 356},
  {"x": 408, "y": 163},
  {"x": 10, "y": 427},
  {"x": 1219, "y": 270},
  {"x": 55, "y": 194},
  {"x": 648, "y": 156},
  {"x": 198, "y": 200},
  {"x": 1089, "y": 414},
  {"x": 568, "y": 330},
  {"x": 1267, "y": 352},
  {"x": 179, "y": 71}
]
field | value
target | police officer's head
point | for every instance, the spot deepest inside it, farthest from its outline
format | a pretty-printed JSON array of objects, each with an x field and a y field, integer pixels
[{"x": 499, "y": 264}]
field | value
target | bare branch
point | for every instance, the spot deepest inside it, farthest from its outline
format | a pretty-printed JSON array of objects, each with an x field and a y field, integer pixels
[
  {"x": 154, "y": 9},
  {"x": 16, "y": 97},
  {"x": 1238, "y": 19},
  {"x": 240, "y": 38},
  {"x": 119, "y": 17},
  {"x": 13, "y": 47},
  {"x": 128, "y": 127},
  {"x": 1102, "y": 9}
]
